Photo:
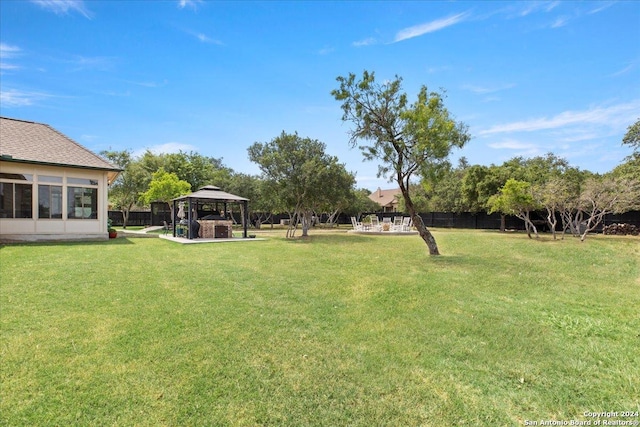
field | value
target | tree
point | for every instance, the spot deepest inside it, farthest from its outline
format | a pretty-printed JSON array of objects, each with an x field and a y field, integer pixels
[
  {"x": 444, "y": 189},
  {"x": 341, "y": 196},
  {"x": 604, "y": 195},
  {"x": 164, "y": 187},
  {"x": 407, "y": 139},
  {"x": 360, "y": 203},
  {"x": 255, "y": 189},
  {"x": 632, "y": 137},
  {"x": 516, "y": 198},
  {"x": 629, "y": 169},
  {"x": 125, "y": 191},
  {"x": 196, "y": 169},
  {"x": 302, "y": 177},
  {"x": 478, "y": 184}
]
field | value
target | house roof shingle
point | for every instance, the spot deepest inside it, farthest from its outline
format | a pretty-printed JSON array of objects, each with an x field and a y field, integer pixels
[{"x": 31, "y": 142}]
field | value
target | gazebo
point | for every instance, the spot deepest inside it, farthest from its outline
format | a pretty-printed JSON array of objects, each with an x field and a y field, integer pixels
[{"x": 209, "y": 206}]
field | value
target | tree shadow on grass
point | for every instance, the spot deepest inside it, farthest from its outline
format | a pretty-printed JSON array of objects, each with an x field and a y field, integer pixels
[
  {"x": 331, "y": 239},
  {"x": 118, "y": 241}
]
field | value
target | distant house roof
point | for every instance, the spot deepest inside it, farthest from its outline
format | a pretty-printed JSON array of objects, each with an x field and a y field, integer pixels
[
  {"x": 211, "y": 192},
  {"x": 385, "y": 198},
  {"x": 31, "y": 142}
]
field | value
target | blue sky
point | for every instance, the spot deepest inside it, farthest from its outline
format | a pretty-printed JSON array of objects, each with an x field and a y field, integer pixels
[{"x": 215, "y": 77}]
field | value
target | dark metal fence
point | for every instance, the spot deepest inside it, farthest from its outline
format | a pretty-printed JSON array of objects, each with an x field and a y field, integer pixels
[
  {"x": 135, "y": 218},
  {"x": 479, "y": 221}
]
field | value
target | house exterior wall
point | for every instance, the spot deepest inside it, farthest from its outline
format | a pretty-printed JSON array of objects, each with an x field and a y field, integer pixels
[{"x": 66, "y": 227}]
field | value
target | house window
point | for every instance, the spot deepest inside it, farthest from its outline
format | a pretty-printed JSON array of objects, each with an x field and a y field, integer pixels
[
  {"x": 16, "y": 196},
  {"x": 82, "y": 203},
  {"x": 82, "y": 181},
  {"x": 50, "y": 201}
]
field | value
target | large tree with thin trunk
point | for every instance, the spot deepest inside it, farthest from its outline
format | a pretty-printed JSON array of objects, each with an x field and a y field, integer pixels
[
  {"x": 409, "y": 140},
  {"x": 604, "y": 195},
  {"x": 303, "y": 179},
  {"x": 632, "y": 137},
  {"x": 132, "y": 181},
  {"x": 164, "y": 187},
  {"x": 516, "y": 198}
]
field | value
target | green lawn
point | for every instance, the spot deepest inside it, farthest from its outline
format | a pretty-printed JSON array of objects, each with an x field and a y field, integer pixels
[{"x": 334, "y": 330}]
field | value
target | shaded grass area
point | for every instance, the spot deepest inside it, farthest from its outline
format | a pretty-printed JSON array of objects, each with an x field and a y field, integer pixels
[{"x": 331, "y": 330}]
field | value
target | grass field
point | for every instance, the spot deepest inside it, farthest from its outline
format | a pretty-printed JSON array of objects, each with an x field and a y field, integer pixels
[{"x": 333, "y": 330}]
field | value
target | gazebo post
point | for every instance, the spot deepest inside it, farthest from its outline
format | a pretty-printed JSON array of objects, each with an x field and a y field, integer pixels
[
  {"x": 245, "y": 218},
  {"x": 189, "y": 220},
  {"x": 173, "y": 218}
]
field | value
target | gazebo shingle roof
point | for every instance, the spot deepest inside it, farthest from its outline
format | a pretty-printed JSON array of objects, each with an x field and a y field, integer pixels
[
  {"x": 31, "y": 142},
  {"x": 211, "y": 192}
]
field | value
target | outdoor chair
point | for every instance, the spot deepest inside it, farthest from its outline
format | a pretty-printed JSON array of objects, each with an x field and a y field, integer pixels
[
  {"x": 386, "y": 224},
  {"x": 406, "y": 223},
  {"x": 357, "y": 226},
  {"x": 397, "y": 223},
  {"x": 375, "y": 223}
]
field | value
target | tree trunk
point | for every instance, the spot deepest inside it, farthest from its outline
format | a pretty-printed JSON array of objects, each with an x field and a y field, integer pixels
[
  {"x": 306, "y": 223},
  {"x": 503, "y": 222},
  {"x": 528, "y": 224},
  {"x": 125, "y": 218},
  {"x": 418, "y": 224},
  {"x": 552, "y": 221}
]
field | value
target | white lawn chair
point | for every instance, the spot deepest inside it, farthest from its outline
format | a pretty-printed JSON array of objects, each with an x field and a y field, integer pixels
[
  {"x": 397, "y": 223},
  {"x": 406, "y": 223},
  {"x": 386, "y": 224},
  {"x": 357, "y": 226},
  {"x": 375, "y": 223}
]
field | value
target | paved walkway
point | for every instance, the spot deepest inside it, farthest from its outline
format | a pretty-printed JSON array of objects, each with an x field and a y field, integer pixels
[
  {"x": 140, "y": 233},
  {"x": 383, "y": 233},
  {"x": 186, "y": 241}
]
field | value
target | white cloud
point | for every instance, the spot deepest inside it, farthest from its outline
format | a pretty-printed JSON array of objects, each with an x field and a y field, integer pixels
[
  {"x": 63, "y": 7},
  {"x": 488, "y": 89},
  {"x": 615, "y": 116},
  {"x": 191, "y": 3},
  {"x": 603, "y": 6},
  {"x": 364, "y": 42},
  {"x": 8, "y": 51},
  {"x": 202, "y": 37},
  {"x": 101, "y": 63},
  {"x": 206, "y": 39},
  {"x": 625, "y": 70},
  {"x": 6, "y": 66},
  {"x": 512, "y": 144},
  {"x": 532, "y": 7},
  {"x": 560, "y": 21},
  {"x": 520, "y": 148},
  {"x": 442, "y": 68},
  {"x": 552, "y": 5},
  {"x": 326, "y": 50},
  {"x": 429, "y": 27},
  {"x": 17, "y": 98},
  {"x": 169, "y": 147},
  {"x": 149, "y": 84}
]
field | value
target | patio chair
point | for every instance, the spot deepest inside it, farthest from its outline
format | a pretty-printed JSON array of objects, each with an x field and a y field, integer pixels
[
  {"x": 375, "y": 223},
  {"x": 386, "y": 224},
  {"x": 406, "y": 223},
  {"x": 357, "y": 226},
  {"x": 397, "y": 223}
]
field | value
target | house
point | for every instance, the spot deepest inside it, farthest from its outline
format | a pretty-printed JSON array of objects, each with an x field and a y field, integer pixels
[
  {"x": 387, "y": 199},
  {"x": 51, "y": 187}
]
